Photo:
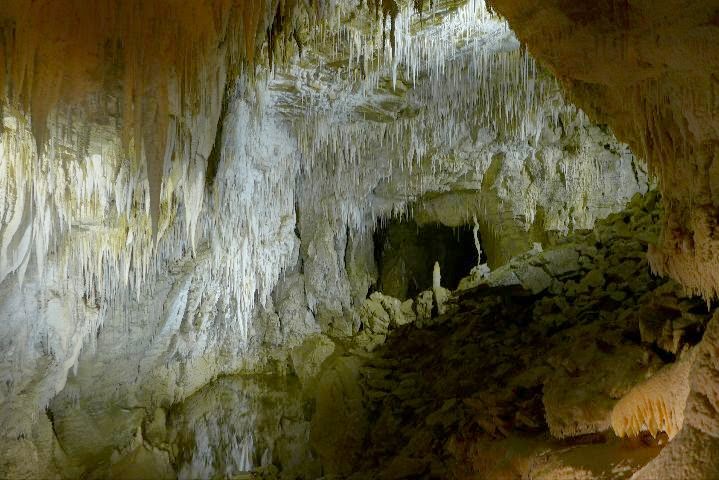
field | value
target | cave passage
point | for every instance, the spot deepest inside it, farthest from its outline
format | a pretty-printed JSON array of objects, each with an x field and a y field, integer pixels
[{"x": 405, "y": 253}]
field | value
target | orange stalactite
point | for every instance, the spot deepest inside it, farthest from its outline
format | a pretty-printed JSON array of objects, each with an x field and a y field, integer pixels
[{"x": 656, "y": 405}]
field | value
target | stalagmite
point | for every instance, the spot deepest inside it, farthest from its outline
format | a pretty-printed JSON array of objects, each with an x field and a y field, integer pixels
[
  {"x": 441, "y": 294},
  {"x": 475, "y": 234}
]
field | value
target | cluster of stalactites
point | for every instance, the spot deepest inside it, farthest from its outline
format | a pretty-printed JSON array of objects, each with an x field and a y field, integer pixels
[
  {"x": 656, "y": 405},
  {"x": 156, "y": 71},
  {"x": 89, "y": 193},
  {"x": 88, "y": 215},
  {"x": 127, "y": 95},
  {"x": 161, "y": 82},
  {"x": 474, "y": 76}
]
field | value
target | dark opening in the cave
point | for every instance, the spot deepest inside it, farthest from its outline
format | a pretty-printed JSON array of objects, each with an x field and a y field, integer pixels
[{"x": 405, "y": 254}]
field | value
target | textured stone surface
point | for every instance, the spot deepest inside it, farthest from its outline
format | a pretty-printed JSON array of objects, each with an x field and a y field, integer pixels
[
  {"x": 478, "y": 389},
  {"x": 647, "y": 69},
  {"x": 307, "y": 358}
]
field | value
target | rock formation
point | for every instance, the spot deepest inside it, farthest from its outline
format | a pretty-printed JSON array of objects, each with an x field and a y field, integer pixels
[
  {"x": 211, "y": 247},
  {"x": 648, "y": 69}
]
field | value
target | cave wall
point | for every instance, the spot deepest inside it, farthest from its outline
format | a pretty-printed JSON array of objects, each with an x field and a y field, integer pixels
[
  {"x": 649, "y": 70},
  {"x": 587, "y": 312}
]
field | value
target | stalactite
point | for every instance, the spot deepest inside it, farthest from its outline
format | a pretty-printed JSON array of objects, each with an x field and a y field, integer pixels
[{"x": 656, "y": 405}]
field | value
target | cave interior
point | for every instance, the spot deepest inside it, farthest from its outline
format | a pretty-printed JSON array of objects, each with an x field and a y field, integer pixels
[{"x": 336, "y": 239}]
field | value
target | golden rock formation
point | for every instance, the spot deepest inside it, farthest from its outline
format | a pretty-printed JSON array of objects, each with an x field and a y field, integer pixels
[
  {"x": 152, "y": 69},
  {"x": 657, "y": 404}
]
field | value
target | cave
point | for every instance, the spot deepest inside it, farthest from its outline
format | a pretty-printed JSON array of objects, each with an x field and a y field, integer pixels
[
  {"x": 335, "y": 239},
  {"x": 405, "y": 254}
]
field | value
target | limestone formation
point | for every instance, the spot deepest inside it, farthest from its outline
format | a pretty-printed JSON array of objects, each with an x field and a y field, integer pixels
[
  {"x": 647, "y": 70},
  {"x": 591, "y": 369},
  {"x": 340, "y": 239},
  {"x": 656, "y": 405}
]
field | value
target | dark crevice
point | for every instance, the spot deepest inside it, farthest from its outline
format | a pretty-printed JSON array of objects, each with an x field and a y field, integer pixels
[
  {"x": 213, "y": 159},
  {"x": 405, "y": 254}
]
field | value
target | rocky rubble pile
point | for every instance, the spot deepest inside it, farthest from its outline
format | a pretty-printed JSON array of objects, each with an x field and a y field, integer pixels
[{"x": 524, "y": 368}]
